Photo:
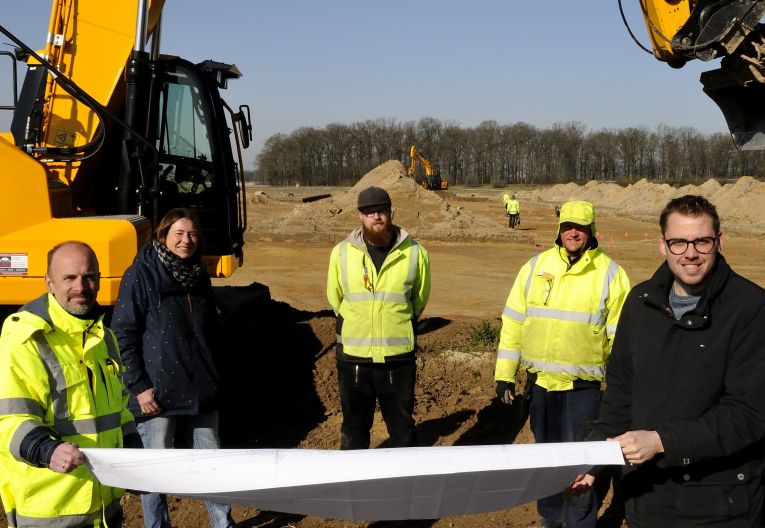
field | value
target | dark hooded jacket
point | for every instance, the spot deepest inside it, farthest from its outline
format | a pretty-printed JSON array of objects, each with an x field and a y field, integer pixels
[
  {"x": 167, "y": 336},
  {"x": 700, "y": 383}
]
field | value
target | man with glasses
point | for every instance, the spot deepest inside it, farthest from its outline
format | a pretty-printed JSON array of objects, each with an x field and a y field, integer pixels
[
  {"x": 684, "y": 396},
  {"x": 378, "y": 285},
  {"x": 558, "y": 325}
]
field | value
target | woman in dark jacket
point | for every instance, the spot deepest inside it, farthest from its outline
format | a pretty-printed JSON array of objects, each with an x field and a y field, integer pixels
[{"x": 166, "y": 324}]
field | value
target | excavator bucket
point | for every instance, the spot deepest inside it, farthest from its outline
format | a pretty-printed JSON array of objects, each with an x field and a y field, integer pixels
[{"x": 742, "y": 104}]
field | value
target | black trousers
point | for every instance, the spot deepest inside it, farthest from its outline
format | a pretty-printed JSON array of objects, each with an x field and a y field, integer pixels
[{"x": 363, "y": 384}]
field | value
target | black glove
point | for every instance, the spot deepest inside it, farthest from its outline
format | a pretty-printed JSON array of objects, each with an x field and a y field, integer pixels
[{"x": 502, "y": 388}]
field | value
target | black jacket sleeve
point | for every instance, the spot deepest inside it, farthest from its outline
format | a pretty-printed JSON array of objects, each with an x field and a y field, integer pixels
[
  {"x": 616, "y": 406},
  {"x": 38, "y": 445}
]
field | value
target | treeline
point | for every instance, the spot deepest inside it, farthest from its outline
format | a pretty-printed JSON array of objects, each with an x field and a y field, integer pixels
[{"x": 496, "y": 154}]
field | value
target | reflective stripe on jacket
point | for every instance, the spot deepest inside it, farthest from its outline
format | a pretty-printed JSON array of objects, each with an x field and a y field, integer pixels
[
  {"x": 376, "y": 311},
  {"x": 560, "y": 322},
  {"x": 65, "y": 373},
  {"x": 513, "y": 207}
]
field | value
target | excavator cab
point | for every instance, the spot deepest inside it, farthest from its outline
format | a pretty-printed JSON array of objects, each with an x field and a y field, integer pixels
[
  {"x": 106, "y": 138},
  {"x": 196, "y": 168}
]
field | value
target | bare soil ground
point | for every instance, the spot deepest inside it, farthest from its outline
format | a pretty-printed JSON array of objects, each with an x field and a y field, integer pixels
[{"x": 280, "y": 385}]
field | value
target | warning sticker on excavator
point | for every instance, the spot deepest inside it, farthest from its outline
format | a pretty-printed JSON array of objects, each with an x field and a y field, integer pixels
[
  {"x": 14, "y": 263},
  {"x": 64, "y": 138}
]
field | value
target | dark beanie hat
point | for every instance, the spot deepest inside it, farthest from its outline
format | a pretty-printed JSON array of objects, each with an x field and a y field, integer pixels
[{"x": 373, "y": 197}]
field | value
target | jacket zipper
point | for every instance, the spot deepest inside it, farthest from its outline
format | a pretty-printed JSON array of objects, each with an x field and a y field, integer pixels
[{"x": 367, "y": 281}]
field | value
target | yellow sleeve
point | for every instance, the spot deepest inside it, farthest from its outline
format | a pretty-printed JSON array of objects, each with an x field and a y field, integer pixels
[
  {"x": 513, "y": 317},
  {"x": 334, "y": 286},
  {"x": 618, "y": 290},
  {"x": 421, "y": 287}
]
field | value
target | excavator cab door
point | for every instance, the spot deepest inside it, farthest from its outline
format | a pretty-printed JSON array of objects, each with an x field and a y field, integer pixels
[{"x": 196, "y": 167}]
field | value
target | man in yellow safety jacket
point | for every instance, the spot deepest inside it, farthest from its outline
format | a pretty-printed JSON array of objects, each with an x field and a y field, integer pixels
[
  {"x": 513, "y": 208},
  {"x": 61, "y": 389},
  {"x": 378, "y": 285},
  {"x": 558, "y": 325}
]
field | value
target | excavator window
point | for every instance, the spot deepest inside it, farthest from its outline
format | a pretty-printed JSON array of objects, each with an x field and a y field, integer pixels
[
  {"x": 184, "y": 139},
  {"x": 183, "y": 127},
  {"x": 187, "y": 175}
]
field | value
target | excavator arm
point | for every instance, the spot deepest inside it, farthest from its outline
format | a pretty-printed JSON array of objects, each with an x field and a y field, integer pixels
[
  {"x": 432, "y": 180},
  {"x": 681, "y": 31},
  {"x": 415, "y": 156}
]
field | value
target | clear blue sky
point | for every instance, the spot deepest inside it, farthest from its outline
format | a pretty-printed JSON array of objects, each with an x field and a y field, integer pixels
[{"x": 314, "y": 62}]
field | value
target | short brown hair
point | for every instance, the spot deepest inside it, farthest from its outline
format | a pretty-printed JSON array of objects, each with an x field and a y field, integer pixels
[
  {"x": 690, "y": 205},
  {"x": 171, "y": 217}
]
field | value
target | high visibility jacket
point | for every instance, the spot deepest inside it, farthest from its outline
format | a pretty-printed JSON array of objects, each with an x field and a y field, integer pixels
[
  {"x": 64, "y": 373},
  {"x": 376, "y": 311},
  {"x": 513, "y": 207},
  {"x": 560, "y": 320}
]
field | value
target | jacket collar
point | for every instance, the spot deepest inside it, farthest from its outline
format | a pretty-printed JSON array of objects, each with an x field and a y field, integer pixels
[
  {"x": 657, "y": 289},
  {"x": 356, "y": 237},
  {"x": 582, "y": 262},
  {"x": 47, "y": 308}
]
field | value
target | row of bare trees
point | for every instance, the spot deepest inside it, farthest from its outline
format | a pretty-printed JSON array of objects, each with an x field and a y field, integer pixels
[{"x": 497, "y": 154}]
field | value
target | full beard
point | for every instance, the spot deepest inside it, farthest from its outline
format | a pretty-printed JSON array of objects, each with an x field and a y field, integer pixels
[{"x": 379, "y": 235}]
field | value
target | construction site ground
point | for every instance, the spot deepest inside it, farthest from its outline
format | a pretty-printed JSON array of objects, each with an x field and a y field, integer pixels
[{"x": 280, "y": 380}]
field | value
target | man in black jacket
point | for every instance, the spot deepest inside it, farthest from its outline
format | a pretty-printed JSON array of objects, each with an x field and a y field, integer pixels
[{"x": 685, "y": 397}]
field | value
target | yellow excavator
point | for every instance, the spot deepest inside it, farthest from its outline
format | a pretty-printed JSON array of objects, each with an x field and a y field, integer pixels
[
  {"x": 684, "y": 30},
  {"x": 107, "y": 135},
  {"x": 432, "y": 179}
]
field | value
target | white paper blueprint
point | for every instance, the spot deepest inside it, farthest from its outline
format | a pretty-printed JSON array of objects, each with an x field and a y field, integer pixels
[{"x": 371, "y": 484}]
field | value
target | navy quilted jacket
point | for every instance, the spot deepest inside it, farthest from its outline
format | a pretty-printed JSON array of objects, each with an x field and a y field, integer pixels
[{"x": 167, "y": 336}]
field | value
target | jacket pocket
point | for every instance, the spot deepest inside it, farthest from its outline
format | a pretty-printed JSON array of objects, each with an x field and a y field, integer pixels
[
  {"x": 76, "y": 397},
  {"x": 725, "y": 499}
]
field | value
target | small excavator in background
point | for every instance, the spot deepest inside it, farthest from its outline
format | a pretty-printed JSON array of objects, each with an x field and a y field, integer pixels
[
  {"x": 106, "y": 137},
  {"x": 432, "y": 179}
]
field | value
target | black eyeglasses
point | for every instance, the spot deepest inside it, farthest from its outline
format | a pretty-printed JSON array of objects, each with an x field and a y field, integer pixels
[
  {"x": 381, "y": 212},
  {"x": 678, "y": 246}
]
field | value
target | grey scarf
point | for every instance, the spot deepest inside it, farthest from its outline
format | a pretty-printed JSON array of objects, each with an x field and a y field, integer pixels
[{"x": 185, "y": 271}]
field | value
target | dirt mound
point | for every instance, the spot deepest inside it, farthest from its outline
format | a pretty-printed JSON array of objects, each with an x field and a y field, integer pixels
[
  {"x": 430, "y": 215},
  {"x": 739, "y": 204},
  {"x": 257, "y": 197},
  {"x": 425, "y": 214}
]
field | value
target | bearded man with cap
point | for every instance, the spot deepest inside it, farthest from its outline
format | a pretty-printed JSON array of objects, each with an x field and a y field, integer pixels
[
  {"x": 378, "y": 285},
  {"x": 558, "y": 325}
]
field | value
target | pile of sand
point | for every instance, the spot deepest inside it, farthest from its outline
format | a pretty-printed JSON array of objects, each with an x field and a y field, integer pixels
[
  {"x": 423, "y": 213},
  {"x": 739, "y": 204},
  {"x": 428, "y": 215}
]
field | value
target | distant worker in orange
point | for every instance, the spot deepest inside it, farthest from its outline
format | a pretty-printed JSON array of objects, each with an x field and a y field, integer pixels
[{"x": 378, "y": 285}]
